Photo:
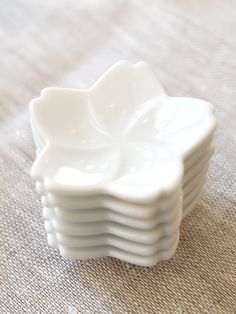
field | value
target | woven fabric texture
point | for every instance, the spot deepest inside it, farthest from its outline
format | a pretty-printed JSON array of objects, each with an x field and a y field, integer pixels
[{"x": 192, "y": 48}]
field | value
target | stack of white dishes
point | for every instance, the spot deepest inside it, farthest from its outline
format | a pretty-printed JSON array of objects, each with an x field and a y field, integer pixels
[{"x": 119, "y": 165}]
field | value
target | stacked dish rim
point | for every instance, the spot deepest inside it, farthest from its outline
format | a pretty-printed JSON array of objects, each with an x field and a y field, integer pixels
[{"x": 127, "y": 217}]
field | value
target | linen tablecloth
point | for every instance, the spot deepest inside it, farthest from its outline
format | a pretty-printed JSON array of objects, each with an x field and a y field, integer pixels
[{"x": 191, "y": 46}]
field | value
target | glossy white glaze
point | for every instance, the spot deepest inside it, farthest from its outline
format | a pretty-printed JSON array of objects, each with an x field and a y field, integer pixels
[
  {"x": 103, "y": 140},
  {"x": 119, "y": 165}
]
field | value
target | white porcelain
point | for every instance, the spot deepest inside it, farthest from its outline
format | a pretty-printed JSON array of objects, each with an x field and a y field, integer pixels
[
  {"x": 189, "y": 163},
  {"x": 157, "y": 221},
  {"x": 104, "y": 214},
  {"x": 84, "y": 226},
  {"x": 199, "y": 168},
  {"x": 143, "y": 236},
  {"x": 118, "y": 243},
  {"x": 119, "y": 206},
  {"x": 124, "y": 123},
  {"x": 56, "y": 240},
  {"x": 65, "y": 242},
  {"x": 191, "y": 201},
  {"x": 66, "y": 205},
  {"x": 189, "y": 158},
  {"x": 101, "y": 214},
  {"x": 119, "y": 165},
  {"x": 61, "y": 229},
  {"x": 101, "y": 251}
]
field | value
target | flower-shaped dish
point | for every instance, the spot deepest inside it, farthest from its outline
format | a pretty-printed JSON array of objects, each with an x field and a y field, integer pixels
[{"x": 124, "y": 137}]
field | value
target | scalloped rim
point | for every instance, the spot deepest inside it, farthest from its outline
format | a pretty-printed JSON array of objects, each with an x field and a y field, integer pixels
[{"x": 104, "y": 188}]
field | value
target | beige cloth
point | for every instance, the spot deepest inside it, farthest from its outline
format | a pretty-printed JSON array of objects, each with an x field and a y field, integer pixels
[{"x": 191, "y": 45}]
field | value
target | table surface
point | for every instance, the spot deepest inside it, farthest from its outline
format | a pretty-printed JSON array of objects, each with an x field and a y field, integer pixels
[{"x": 192, "y": 48}]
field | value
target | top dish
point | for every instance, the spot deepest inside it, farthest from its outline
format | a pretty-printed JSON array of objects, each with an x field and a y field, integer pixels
[{"x": 123, "y": 137}]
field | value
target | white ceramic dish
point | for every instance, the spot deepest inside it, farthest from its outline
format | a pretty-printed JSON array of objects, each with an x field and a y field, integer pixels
[
  {"x": 134, "y": 234},
  {"x": 121, "y": 208},
  {"x": 65, "y": 206},
  {"x": 202, "y": 153},
  {"x": 159, "y": 130},
  {"x": 85, "y": 227},
  {"x": 104, "y": 214},
  {"x": 119, "y": 162},
  {"x": 159, "y": 220},
  {"x": 56, "y": 240},
  {"x": 188, "y": 160},
  {"x": 101, "y": 251},
  {"x": 66, "y": 244},
  {"x": 126, "y": 208},
  {"x": 188, "y": 165},
  {"x": 190, "y": 198},
  {"x": 101, "y": 214}
]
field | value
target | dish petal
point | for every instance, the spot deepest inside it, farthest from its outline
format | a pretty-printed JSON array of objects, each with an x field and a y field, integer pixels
[
  {"x": 76, "y": 170},
  {"x": 120, "y": 92},
  {"x": 62, "y": 116},
  {"x": 146, "y": 171},
  {"x": 184, "y": 122}
]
